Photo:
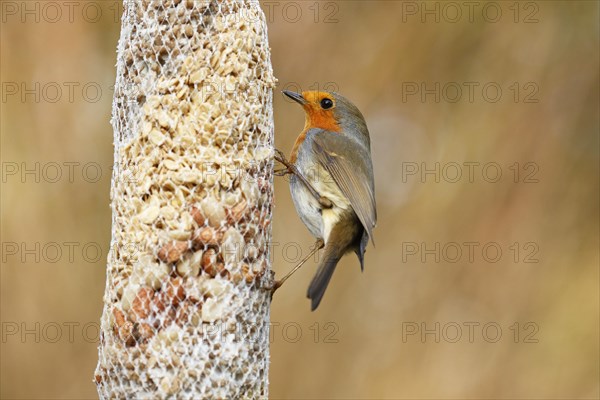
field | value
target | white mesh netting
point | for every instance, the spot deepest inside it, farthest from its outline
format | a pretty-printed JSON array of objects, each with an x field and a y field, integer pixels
[{"x": 184, "y": 315}]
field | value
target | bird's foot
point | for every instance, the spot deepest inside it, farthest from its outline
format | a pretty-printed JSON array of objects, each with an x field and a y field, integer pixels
[
  {"x": 282, "y": 172},
  {"x": 289, "y": 167},
  {"x": 280, "y": 157},
  {"x": 276, "y": 284},
  {"x": 273, "y": 286}
]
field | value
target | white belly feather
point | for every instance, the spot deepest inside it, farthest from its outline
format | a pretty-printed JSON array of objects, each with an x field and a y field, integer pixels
[{"x": 318, "y": 223}]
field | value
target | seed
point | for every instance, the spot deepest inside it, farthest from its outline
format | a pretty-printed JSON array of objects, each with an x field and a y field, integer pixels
[
  {"x": 173, "y": 251},
  {"x": 140, "y": 308},
  {"x": 198, "y": 216},
  {"x": 206, "y": 236}
]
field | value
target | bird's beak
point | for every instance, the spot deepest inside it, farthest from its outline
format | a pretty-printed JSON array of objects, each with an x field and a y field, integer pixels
[{"x": 297, "y": 97}]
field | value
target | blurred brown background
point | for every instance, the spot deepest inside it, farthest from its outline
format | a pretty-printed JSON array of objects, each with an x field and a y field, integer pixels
[{"x": 366, "y": 340}]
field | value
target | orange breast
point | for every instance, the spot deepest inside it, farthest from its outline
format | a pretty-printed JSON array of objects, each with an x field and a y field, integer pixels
[
  {"x": 315, "y": 118},
  {"x": 301, "y": 137},
  {"x": 323, "y": 119}
]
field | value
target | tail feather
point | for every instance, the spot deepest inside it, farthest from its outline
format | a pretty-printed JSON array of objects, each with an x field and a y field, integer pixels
[
  {"x": 362, "y": 247},
  {"x": 319, "y": 283},
  {"x": 344, "y": 237}
]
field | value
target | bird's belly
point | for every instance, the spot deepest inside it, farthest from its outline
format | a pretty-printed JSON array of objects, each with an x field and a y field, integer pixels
[
  {"x": 307, "y": 207},
  {"x": 318, "y": 221}
]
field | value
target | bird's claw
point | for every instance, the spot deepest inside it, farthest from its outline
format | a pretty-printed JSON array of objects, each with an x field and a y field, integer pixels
[
  {"x": 282, "y": 172},
  {"x": 276, "y": 285},
  {"x": 272, "y": 287},
  {"x": 279, "y": 156},
  {"x": 289, "y": 168}
]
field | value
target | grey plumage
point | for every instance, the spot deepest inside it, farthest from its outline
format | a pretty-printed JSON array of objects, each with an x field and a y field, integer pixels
[{"x": 338, "y": 165}]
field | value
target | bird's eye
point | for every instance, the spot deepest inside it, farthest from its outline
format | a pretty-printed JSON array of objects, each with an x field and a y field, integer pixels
[{"x": 326, "y": 103}]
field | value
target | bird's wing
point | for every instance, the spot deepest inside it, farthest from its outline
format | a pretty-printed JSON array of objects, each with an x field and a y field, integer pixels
[{"x": 350, "y": 166}]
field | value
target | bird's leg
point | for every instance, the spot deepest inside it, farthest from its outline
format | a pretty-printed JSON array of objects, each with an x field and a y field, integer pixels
[
  {"x": 281, "y": 158},
  {"x": 319, "y": 244},
  {"x": 281, "y": 172},
  {"x": 291, "y": 169}
]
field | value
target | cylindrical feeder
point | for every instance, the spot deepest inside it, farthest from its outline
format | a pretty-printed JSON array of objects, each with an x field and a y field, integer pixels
[{"x": 185, "y": 312}]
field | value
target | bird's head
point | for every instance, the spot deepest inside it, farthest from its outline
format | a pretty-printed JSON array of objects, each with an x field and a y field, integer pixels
[{"x": 330, "y": 111}]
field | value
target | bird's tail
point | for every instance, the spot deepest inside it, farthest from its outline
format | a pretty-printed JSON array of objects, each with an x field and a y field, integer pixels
[{"x": 319, "y": 283}]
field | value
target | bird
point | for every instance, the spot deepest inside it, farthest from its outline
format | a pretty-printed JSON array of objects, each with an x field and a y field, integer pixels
[{"x": 332, "y": 182}]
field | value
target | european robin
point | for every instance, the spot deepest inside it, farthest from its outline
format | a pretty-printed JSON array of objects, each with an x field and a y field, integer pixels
[{"x": 332, "y": 183}]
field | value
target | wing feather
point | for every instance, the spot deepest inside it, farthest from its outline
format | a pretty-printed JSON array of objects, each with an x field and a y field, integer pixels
[{"x": 350, "y": 166}]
